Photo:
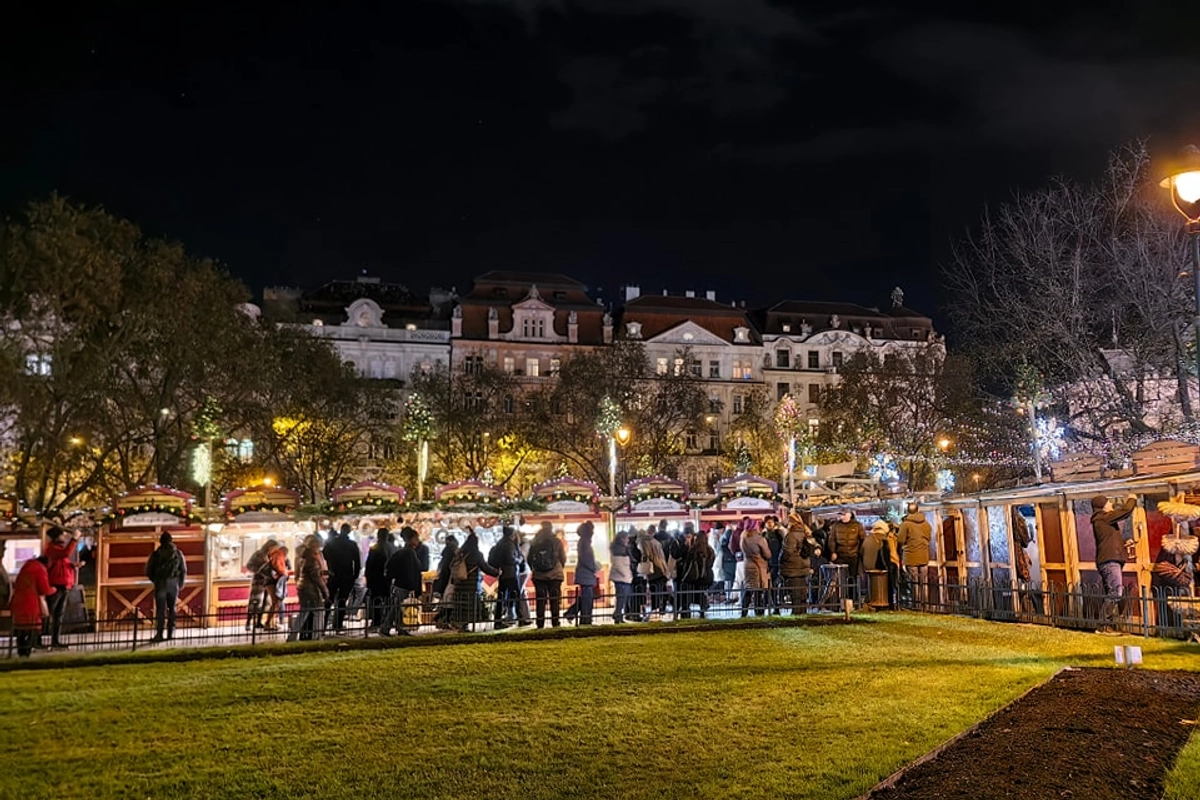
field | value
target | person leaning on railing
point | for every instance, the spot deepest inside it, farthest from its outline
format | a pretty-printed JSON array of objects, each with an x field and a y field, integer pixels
[{"x": 1110, "y": 555}]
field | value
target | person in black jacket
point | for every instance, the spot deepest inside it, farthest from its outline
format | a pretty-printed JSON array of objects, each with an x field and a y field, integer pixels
[
  {"x": 344, "y": 563},
  {"x": 403, "y": 571},
  {"x": 504, "y": 556},
  {"x": 466, "y": 585},
  {"x": 379, "y": 588}
]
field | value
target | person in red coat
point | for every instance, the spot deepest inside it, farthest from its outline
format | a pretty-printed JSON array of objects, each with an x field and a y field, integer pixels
[
  {"x": 60, "y": 552},
  {"x": 28, "y": 607}
]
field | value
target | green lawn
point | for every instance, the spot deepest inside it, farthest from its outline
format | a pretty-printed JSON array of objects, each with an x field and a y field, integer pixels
[{"x": 823, "y": 711}]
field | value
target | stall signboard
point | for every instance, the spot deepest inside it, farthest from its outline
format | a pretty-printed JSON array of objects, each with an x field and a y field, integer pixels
[
  {"x": 260, "y": 504},
  {"x": 568, "y": 495},
  {"x": 367, "y": 494},
  {"x": 468, "y": 491},
  {"x": 151, "y": 507}
]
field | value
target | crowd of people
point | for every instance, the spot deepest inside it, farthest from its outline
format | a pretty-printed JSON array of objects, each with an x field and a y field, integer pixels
[{"x": 760, "y": 568}]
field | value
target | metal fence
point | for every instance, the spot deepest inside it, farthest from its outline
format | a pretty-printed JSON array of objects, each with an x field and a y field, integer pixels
[{"x": 827, "y": 591}]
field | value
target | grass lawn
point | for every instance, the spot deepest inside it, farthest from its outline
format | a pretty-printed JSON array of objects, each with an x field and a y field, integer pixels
[{"x": 822, "y": 711}]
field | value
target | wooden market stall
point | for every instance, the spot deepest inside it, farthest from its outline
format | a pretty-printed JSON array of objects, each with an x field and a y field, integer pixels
[
  {"x": 129, "y": 535},
  {"x": 367, "y": 506},
  {"x": 251, "y": 517},
  {"x": 20, "y": 540}
]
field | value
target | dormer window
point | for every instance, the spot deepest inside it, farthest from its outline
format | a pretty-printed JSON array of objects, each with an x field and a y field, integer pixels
[
  {"x": 559, "y": 295},
  {"x": 499, "y": 291},
  {"x": 741, "y": 334},
  {"x": 533, "y": 328},
  {"x": 787, "y": 327},
  {"x": 633, "y": 330},
  {"x": 410, "y": 326},
  {"x": 318, "y": 323},
  {"x": 689, "y": 336}
]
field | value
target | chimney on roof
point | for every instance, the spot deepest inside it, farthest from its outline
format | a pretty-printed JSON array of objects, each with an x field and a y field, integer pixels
[
  {"x": 689, "y": 293},
  {"x": 710, "y": 295},
  {"x": 632, "y": 293},
  {"x": 741, "y": 303},
  {"x": 664, "y": 292}
]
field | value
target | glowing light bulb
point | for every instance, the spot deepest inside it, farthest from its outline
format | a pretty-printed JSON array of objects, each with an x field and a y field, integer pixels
[{"x": 1187, "y": 186}]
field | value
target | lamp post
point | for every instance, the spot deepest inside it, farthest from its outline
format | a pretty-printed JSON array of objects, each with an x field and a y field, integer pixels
[
  {"x": 619, "y": 437},
  {"x": 1183, "y": 181}
]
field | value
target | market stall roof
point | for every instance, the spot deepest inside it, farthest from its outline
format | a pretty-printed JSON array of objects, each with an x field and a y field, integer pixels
[
  {"x": 150, "y": 506},
  {"x": 369, "y": 493},
  {"x": 568, "y": 488},
  {"x": 746, "y": 485},
  {"x": 657, "y": 486},
  {"x": 468, "y": 490},
  {"x": 261, "y": 501}
]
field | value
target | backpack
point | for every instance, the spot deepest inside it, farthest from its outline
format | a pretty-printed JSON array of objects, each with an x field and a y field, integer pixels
[
  {"x": 541, "y": 557},
  {"x": 458, "y": 568},
  {"x": 257, "y": 559},
  {"x": 164, "y": 566}
]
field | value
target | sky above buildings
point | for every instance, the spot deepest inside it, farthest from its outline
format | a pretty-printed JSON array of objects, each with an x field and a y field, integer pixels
[{"x": 764, "y": 150}]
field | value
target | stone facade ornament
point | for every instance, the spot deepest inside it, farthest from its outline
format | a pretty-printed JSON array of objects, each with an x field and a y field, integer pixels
[
  {"x": 835, "y": 321},
  {"x": 897, "y": 297}
]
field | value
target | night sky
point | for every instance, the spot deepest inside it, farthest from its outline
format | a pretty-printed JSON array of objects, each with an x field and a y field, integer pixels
[{"x": 825, "y": 151}]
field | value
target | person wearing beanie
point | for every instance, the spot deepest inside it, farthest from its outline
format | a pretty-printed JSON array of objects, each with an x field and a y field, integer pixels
[
  {"x": 167, "y": 570},
  {"x": 1110, "y": 555}
]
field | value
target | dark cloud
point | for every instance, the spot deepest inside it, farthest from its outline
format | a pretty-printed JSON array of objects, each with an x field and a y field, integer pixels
[{"x": 718, "y": 58}]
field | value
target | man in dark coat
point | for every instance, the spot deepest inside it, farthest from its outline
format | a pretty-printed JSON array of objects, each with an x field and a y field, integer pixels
[
  {"x": 504, "y": 556},
  {"x": 344, "y": 563},
  {"x": 845, "y": 543},
  {"x": 403, "y": 571},
  {"x": 1110, "y": 555},
  {"x": 378, "y": 586},
  {"x": 167, "y": 569}
]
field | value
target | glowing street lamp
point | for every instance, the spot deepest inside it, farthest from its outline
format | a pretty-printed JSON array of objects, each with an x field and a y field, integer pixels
[
  {"x": 619, "y": 437},
  {"x": 1183, "y": 181}
]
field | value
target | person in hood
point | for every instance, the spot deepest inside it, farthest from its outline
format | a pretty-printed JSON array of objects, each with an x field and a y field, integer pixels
[
  {"x": 913, "y": 541},
  {"x": 653, "y": 567},
  {"x": 167, "y": 569},
  {"x": 878, "y": 555},
  {"x": 620, "y": 572},
  {"x": 585, "y": 576}
]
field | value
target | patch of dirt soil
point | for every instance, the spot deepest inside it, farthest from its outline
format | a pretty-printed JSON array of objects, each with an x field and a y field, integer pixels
[{"x": 1100, "y": 734}]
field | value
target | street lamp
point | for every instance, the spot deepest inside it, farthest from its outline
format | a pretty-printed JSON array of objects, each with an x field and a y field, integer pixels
[
  {"x": 619, "y": 437},
  {"x": 1183, "y": 181},
  {"x": 715, "y": 423}
]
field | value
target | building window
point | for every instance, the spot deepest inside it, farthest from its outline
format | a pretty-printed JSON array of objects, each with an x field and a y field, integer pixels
[
  {"x": 714, "y": 369},
  {"x": 499, "y": 291},
  {"x": 781, "y": 390},
  {"x": 783, "y": 359},
  {"x": 678, "y": 367},
  {"x": 660, "y": 366},
  {"x": 509, "y": 404},
  {"x": 814, "y": 359},
  {"x": 473, "y": 365},
  {"x": 37, "y": 364},
  {"x": 559, "y": 295},
  {"x": 837, "y": 358},
  {"x": 691, "y": 441},
  {"x": 555, "y": 365},
  {"x": 245, "y": 451},
  {"x": 532, "y": 368},
  {"x": 814, "y": 393},
  {"x": 696, "y": 367},
  {"x": 510, "y": 364},
  {"x": 714, "y": 405},
  {"x": 474, "y": 401},
  {"x": 714, "y": 441},
  {"x": 786, "y": 327},
  {"x": 737, "y": 404},
  {"x": 814, "y": 425}
]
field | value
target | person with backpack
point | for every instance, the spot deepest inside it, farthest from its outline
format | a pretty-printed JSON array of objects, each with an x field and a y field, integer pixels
[
  {"x": 585, "y": 576},
  {"x": 167, "y": 570},
  {"x": 256, "y": 604},
  {"x": 504, "y": 556},
  {"x": 548, "y": 561},
  {"x": 465, "y": 572},
  {"x": 698, "y": 562}
]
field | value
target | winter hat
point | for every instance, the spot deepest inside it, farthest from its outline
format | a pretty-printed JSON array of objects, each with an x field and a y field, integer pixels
[
  {"x": 1099, "y": 502},
  {"x": 880, "y": 527}
]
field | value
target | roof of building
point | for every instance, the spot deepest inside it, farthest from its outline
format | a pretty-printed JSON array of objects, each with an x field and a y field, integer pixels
[
  {"x": 654, "y": 302},
  {"x": 555, "y": 279}
]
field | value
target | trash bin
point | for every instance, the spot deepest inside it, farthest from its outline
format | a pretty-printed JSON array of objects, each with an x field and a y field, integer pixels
[{"x": 877, "y": 587}]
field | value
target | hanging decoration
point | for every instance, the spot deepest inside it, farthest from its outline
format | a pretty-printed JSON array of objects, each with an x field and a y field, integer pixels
[
  {"x": 945, "y": 481},
  {"x": 883, "y": 468},
  {"x": 1050, "y": 437}
]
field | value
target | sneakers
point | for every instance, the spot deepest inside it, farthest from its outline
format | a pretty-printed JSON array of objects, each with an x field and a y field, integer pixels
[{"x": 158, "y": 637}]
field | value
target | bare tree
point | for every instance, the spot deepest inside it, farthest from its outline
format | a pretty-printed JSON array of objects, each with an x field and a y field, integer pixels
[{"x": 1082, "y": 282}]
